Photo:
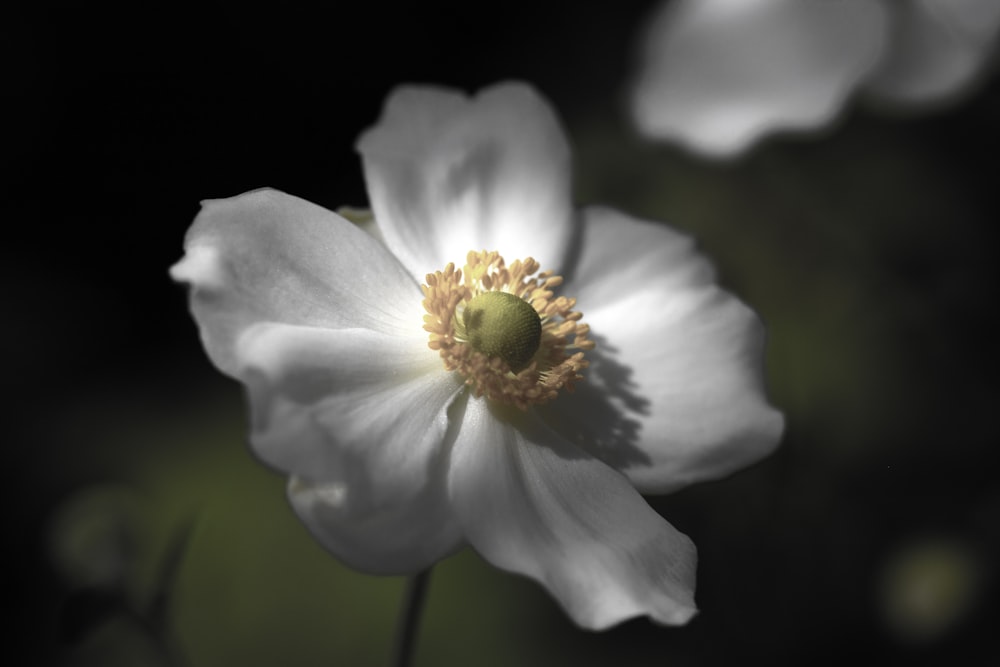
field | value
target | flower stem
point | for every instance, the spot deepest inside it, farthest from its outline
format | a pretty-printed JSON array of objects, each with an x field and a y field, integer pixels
[{"x": 409, "y": 618}]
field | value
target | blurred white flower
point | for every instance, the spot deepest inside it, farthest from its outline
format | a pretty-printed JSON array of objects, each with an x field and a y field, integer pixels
[
  {"x": 415, "y": 420},
  {"x": 716, "y": 76}
]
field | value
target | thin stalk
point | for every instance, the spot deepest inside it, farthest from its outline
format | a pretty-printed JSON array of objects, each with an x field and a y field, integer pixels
[{"x": 409, "y": 618}]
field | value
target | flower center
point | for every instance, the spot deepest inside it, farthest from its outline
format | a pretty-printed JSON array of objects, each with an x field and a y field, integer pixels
[
  {"x": 499, "y": 324},
  {"x": 503, "y": 329}
]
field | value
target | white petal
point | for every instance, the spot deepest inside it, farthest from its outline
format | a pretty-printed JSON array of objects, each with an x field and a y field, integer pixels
[
  {"x": 447, "y": 174},
  {"x": 345, "y": 405},
  {"x": 717, "y": 75},
  {"x": 938, "y": 48},
  {"x": 265, "y": 256},
  {"x": 675, "y": 392},
  {"x": 979, "y": 19},
  {"x": 360, "y": 419},
  {"x": 399, "y": 538},
  {"x": 532, "y": 503}
]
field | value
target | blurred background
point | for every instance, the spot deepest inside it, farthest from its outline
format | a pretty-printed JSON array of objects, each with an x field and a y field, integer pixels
[{"x": 142, "y": 532}]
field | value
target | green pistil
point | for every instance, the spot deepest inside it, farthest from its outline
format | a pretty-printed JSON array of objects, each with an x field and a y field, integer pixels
[{"x": 499, "y": 324}]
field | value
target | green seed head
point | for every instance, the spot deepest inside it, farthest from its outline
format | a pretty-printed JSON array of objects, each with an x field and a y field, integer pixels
[{"x": 499, "y": 324}]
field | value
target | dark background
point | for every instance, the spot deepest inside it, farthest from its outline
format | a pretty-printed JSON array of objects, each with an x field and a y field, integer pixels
[{"x": 871, "y": 535}]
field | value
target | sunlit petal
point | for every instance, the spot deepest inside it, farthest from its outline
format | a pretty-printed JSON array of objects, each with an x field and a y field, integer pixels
[
  {"x": 265, "y": 256},
  {"x": 447, "y": 174},
  {"x": 359, "y": 418},
  {"x": 675, "y": 391},
  {"x": 352, "y": 406},
  {"x": 533, "y": 503}
]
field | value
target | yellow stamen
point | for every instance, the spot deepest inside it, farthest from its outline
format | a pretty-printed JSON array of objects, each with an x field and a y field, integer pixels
[{"x": 480, "y": 322}]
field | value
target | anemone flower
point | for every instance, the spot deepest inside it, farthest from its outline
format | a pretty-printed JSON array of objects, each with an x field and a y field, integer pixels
[
  {"x": 716, "y": 76},
  {"x": 427, "y": 385}
]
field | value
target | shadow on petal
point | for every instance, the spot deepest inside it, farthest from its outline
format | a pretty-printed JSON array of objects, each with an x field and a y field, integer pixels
[{"x": 596, "y": 416}]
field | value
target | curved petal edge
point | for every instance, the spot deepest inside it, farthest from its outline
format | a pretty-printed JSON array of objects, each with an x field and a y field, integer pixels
[
  {"x": 265, "y": 256},
  {"x": 532, "y": 503},
  {"x": 675, "y": 389}
]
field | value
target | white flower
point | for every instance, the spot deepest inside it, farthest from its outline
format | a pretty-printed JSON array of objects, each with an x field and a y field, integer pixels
[
  {"x": 718, "y": 75},
  {"x": 395, "y": 411}
]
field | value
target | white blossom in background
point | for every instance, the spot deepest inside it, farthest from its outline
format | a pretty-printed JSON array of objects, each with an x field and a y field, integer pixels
[
  {"x": 716, "y": 76},
  {"x": 937, "y": 50},
  {"x": 427, "y": 384}
]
